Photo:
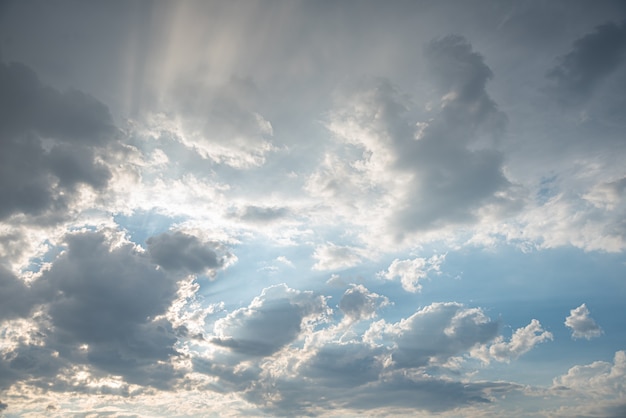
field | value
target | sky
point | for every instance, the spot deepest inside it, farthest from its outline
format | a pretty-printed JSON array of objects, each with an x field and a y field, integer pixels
[{"x": 313, "y": 208}]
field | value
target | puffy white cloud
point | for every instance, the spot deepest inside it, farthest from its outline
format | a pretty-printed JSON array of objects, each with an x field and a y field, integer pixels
[
  {"x": 359, "y": 303},
  {"x": 596, "y": 389},
  {"x": 598, "y": 378},
  {"x": 522, "y": 341},
  {"x": 581, "y": 324},
  {"x": 412, "y": 271},
  {"x": 272, "y": 320}
]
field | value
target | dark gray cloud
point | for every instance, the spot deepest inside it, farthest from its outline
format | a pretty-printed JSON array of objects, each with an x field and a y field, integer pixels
[
  {"x": 48, "y": 143},
  {"x": 457, "y": 165},
  {"x": 109, "y": 299},
  {"x": 592, "y": 59},
  {"x": 180, "y": 252},
  {"x": 270, "y": 322}
]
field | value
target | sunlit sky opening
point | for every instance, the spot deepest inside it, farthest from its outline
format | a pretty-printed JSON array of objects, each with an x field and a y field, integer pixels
[{"x": 312, "y": 208}]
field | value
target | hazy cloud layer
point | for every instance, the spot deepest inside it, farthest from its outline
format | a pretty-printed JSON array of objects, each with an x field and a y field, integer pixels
[{"x": 312, "y": 208}]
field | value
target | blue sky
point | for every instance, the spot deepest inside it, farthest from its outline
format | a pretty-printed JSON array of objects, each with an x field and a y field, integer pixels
[{"x": 291, "y": 208}]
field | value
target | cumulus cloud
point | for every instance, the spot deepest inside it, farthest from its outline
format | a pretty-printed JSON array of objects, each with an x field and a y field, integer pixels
[
  {"x": 16, "y": 299},
  {"x": 597, "y": 378},
  {"x": 349, "y": 364},
  {"x": 49, "y": 144},
  {"x": 110, "y": 298},
  {"x": 593, "y": 58},
  {"x": 522, "y": 341},
  {"x": 272, "y": 320},
  {"x": 359, "y": 303},
  {"x": 581, "y": 324},
  {"x": 412, "y": 271},
  {"x": 178, "y": 251},
  {"x": 425, "y": 174},
  {"x": 435, "y": 333}
]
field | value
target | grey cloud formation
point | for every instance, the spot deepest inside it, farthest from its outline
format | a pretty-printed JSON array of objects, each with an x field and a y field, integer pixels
[
  {"x": 262, "y": 215},
  {"x": 581, "y": 324},
  {"x": 438, "y": 332},
  {"x": 15, "y": 298},
  {"x": 47, "y": 143},
  {"x": 110, "y": 298},
  {"x": 441, "y": 170},
  {"x": 348, "y": 364},
  {"x": 457, "y": 167},
  {"x": 359, "y": 303},
  {"x": 178, "y": 251},
  {"x": 593, "y": 58},
  {"x": 271, "y": 321}
]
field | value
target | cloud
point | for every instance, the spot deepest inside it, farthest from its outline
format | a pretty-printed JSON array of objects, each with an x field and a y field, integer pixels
[
  {"x": 219, "y": 122},
  {"x": 435, "y": 333},
  {"x": 593, "y": 58},
  {"x": 16, "y": 299},
  {"x": 262, "y": 215},
  {"x": 581, "y": 324},
  {"x": 428, "y": 174},
  {"x": 359, "y": 303},
  {"x": 349, "y": 364},
  {"x": 50, "y": 143},
  {"x": 335, "y": 257},
  {"x": 412, "y": 271},
  {"x": 178, "y": 251},
  {"x": 598, "y": 378},
  {"x": 522, "y": 341},
  {"x": 106, "y": 296},
  {"x": 272, "y": 320}
]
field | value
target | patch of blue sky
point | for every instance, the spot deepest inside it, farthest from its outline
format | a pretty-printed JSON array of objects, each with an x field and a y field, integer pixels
[{"x": 141, "y": 225}]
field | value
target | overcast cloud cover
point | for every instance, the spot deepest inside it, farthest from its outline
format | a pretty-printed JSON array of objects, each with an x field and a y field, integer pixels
[{"x": 312, "y": 208}]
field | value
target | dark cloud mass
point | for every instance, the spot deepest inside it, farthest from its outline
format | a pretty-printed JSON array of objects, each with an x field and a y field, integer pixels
[
  {"x": 593, "y": 58},
  {"x": 457, "y": 166},
  {"x": 15, "y": 298},
  {"x": 180, "y": 252},
  {"x": 48, "y": 143},
  {"x": 270, "y": 322},
  {"x": 110, "y": 298}
]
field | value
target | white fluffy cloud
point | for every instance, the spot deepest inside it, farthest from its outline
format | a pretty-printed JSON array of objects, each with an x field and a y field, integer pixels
[
  {"x": 581, "y": 324},
  {"x": 411, "y": 272},
  {"x": 522, "y": 341}
]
